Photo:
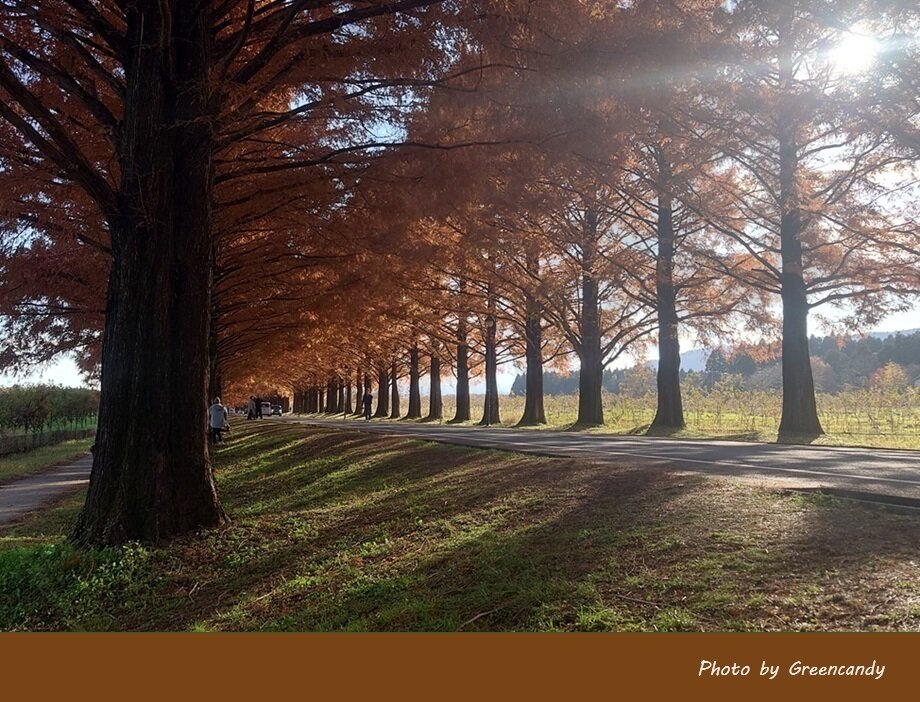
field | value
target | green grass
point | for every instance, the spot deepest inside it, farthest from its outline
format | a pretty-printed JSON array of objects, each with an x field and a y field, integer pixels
[
  {"x": 853, "y": 418},
  {"x": 18, "y": 465},
  {"x": 346, "y": 531}
]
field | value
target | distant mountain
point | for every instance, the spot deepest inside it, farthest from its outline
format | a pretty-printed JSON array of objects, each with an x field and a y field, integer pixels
[{"x": 692, "y": 360}]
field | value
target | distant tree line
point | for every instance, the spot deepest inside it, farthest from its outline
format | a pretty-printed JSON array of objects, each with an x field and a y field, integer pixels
[{"x": 838, "y": 364}]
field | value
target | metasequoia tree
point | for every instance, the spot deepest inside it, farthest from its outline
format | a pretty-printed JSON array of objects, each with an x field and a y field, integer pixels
[
  {"x": 811, "y": 213},
  {"x": 133, "y": 103}
]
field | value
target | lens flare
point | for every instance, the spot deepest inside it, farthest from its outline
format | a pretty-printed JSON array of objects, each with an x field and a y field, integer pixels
[{"x": 855, "y": 53}]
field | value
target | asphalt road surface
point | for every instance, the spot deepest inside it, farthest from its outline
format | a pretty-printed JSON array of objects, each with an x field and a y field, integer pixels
[
  {"x": 33, "y": 492},
  {"x": 845, "y": 470}
]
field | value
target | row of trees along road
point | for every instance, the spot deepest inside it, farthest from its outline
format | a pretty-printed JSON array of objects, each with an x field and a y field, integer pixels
[{"x": 225, "y": 197}]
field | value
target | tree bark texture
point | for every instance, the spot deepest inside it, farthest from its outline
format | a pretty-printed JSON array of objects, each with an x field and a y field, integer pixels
[
  {"x": 534, "y": 412},
  {"x": 591, "y": 376},
  {"x": 670, "y": 411},
  {"x": 151, "y": 477},
  {"x": 415, "y": 396},
  {"x": 394, "y": 392},
  {"x": 435, "y": 403}
]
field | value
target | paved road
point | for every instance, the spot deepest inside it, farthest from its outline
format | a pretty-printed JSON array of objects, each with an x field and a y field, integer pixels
[
  {"x": 28, "y": 494},
  {"x": 877, "y": 471}
]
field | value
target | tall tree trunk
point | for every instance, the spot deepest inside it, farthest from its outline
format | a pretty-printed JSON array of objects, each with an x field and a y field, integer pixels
[
  {"x": 215, "y": 382},
  {"x": 151, "y": 477},
  {"x": 347, "y": 409},
  {"x": 462, "y": 413},
  {"x": 670, "y": 412},
  {"x": 490, "y": 414},
  {"x": 415, "y": 395},
  {"x": 359, "y": 393},
  {"x": 394, "y": 390},
  {"x": 330, "y": 397},
  {"x": 435, "y": 404},
  {"x": 533, "y": 339},
  {"x": 591, "y": 377},
  {"x": 800, "y": 411},
  {"x": 383, "y": 392}
]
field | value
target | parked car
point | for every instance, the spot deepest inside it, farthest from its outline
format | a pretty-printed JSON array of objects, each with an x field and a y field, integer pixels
[
  {"x": 276, "y": 409},
  {"x": 266, "y": 409}
]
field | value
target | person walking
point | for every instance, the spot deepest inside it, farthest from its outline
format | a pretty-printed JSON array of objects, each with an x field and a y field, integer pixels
[
  {"x": 368, "y": 400},
  {"x": 217, "y": 421},
  {"x": 258, "y": 407},
  {"x": 251, "y": 413}
]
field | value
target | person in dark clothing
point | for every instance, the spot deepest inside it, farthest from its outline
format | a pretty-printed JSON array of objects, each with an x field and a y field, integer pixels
[
  {"x": 258, "y": 407},
  {"x": 251, "y": 409},
  {"x": 368, "y": 400}
]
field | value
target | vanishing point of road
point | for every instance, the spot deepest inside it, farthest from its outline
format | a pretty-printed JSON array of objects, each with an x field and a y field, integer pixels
[{"x": 862, "y": 472}]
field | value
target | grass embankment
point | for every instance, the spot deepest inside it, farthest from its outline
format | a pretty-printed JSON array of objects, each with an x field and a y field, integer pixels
[
  {"x": 19, "y": 465},
  {"x": 349, "y": 531}
]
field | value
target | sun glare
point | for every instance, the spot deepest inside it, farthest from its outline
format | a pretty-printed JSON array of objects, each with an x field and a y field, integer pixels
[{"x": 855, "y": 53}]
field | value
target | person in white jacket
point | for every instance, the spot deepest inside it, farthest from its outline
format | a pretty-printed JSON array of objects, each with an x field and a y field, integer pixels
[{"x": 217, "y": 421}]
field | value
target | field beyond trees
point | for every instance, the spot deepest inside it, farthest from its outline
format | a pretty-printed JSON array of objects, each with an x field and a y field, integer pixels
[
  {"x": 340, "y": 530},
  {"x": 876, "y": 417}
]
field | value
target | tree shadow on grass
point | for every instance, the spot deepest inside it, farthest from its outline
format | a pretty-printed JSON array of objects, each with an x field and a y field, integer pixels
[
  {"x": 345, "y": 530},
  {"x": 523, "y": 549},
  {"x": 438, "y": 538}
]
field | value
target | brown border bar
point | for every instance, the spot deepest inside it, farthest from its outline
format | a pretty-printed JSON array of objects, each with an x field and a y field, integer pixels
[{"x": 446, "y": 666}]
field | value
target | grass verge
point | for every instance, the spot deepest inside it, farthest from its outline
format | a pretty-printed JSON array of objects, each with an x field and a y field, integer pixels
[
  {"x": 19, "y": 465},
  {"x": 348, "y": 531}
]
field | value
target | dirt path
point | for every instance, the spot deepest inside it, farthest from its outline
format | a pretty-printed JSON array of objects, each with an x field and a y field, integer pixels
[{"x": 28, "y": 494}]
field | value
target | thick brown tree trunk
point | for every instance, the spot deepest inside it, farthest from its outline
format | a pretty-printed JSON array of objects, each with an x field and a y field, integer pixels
[
  {"x": 383, "y": 392},
  {"x": 415, "y": 395},
  {"x": 359, "y": 393},
  {"x": 394, "y": 392},
  {"x": 670, "y": 412},
  {"x": 151, "y": 476},
  {"x": 490, "y": 413},
  {"x": 435, "y": 404},
  {"x": 591, "y": 376},
  {"x": 215, "y": 382},
  {"x": 330, "y": 397},
  {"x": 347, "y": 408},
  {"x": 533, "y": 339},
  {"x": 462, "y": 413},
  {"x": 800, "y": 411}
]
